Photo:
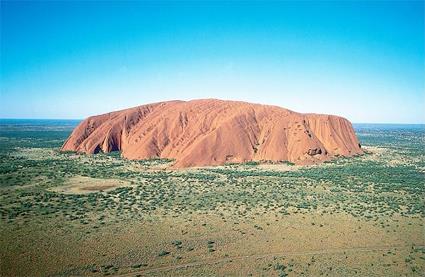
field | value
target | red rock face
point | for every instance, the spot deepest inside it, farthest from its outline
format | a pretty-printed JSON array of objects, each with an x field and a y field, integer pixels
[{"x": 214, "y": 132}]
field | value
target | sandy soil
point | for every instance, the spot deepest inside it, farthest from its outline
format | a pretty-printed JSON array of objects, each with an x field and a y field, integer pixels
[{"x": 83, "y": 185}]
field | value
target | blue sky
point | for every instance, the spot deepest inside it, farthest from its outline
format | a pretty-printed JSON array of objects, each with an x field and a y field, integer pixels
[{"x": 362, "y": 60}]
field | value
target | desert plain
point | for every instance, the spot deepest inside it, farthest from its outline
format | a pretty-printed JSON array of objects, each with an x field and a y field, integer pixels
[{"x": 70, "y": 214}]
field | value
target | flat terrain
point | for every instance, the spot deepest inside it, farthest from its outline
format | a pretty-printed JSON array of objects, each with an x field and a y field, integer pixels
[{"x": 64, "y": 214}]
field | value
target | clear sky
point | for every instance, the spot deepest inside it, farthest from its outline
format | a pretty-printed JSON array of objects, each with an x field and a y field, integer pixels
[{"x": 363, "y": 60}]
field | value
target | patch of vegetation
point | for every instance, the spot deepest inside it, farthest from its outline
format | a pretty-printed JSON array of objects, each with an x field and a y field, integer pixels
[{"x": 163, "y": 253}]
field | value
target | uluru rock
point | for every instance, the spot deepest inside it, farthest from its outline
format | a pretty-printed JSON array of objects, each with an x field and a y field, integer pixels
[{"x": 214, "y": 132}]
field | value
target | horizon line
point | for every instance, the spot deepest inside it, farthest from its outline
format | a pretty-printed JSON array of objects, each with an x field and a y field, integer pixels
[{"x": 81, "y": 119}]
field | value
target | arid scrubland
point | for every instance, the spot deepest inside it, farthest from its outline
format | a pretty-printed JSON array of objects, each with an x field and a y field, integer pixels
[{"x": 65, "y": 214}]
